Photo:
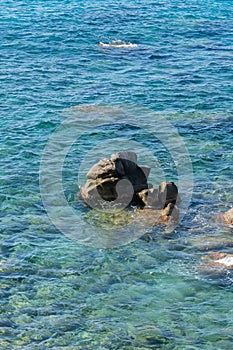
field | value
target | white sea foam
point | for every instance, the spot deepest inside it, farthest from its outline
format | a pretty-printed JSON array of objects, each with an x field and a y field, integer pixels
[
  {"x": 118, "y": 44},
  {"x": 227, "y": 261}
]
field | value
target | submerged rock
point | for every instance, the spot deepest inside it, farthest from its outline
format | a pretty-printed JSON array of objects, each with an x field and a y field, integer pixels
[
  {"x": 154, "y": 217},
  {"x": 226, "y": 218},
  {"x": 217, "y": 264},
  {"x": 224, "y": 259}
]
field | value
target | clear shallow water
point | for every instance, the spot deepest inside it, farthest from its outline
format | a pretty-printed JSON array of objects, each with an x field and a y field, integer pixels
[{"x": 147, "y": 294}]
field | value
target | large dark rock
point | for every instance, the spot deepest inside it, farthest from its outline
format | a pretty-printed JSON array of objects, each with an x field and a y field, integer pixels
[
  {"x": 116, "y": 178},
  {"x": 220, "y": 260}
]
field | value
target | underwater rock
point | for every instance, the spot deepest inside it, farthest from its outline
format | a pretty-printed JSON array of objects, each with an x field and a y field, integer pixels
[
  {"x": 154, "y": 217},
  {"x": 117, "y": 177},
  {"x": 226, "y": 218},
  {"x": 217, "y": 264},
  {"x": 150, "y": 337},
  {"x": 205, "y": 242}
]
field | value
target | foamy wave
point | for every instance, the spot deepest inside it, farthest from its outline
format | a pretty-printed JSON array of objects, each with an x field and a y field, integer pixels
[
  {"x": 118, "y": 44},
  {"x": 227, "y": 261}
]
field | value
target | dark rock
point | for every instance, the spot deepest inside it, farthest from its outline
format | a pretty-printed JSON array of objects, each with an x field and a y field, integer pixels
[
  {"x": 128, "y": 160},
  {"x": 168, "y": 193},
  {"x": 116, "y": 178},
  {"x": 120, "y": 181},
  {"x": 160, "y": 198}
]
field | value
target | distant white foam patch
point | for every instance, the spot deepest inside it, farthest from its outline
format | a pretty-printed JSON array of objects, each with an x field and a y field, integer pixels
[
  {"x": 118, "y": 44},
  {"x": 227, "y": 261}
]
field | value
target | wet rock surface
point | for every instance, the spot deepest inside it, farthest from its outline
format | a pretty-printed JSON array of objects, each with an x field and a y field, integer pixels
[
  {"x": 116, "y": 178},
  {"x": 226, "y": 218},
  {"x": 217, "y": 264},
  {"x": 160, "y": 198},
  {"x": 119, "y": 180}
]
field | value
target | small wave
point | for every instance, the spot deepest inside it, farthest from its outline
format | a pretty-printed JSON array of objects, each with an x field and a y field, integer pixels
[
  {"x": 118, "y": 44},
  {"x": 227, "y": 261}
]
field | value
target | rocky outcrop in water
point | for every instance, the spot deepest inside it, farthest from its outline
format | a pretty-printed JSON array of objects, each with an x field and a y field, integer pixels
[
  {"x": 167, "y": 193},
  {"x": 119, "y": 176},
  {"x": 121, "y": 180}
]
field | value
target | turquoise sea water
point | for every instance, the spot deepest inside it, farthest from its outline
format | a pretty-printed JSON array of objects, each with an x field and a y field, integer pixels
[{"x": 148, "y": 294}]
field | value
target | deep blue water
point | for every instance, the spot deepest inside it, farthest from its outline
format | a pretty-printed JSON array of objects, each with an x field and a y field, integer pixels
[{"x": 148, "y": 294}]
